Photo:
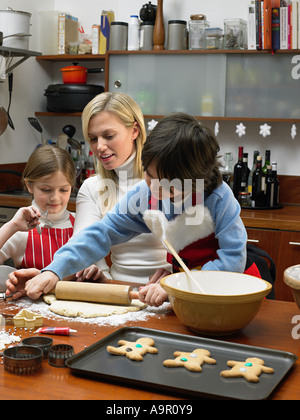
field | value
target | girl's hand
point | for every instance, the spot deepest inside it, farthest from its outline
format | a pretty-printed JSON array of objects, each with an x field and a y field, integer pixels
[
  {"x": 41, "y": 284},
  {"x": 17, "y": 280},
  {"x": 92, "y": 273},
  {"x": 26, "y": 218}
]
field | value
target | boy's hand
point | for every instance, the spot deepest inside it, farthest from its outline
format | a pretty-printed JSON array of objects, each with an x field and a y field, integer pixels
[
  {"x": 17, "y": 280},
  {"x": 41, "y": 284}
]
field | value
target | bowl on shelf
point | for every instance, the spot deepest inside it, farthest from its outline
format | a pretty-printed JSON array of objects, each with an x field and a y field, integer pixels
[
  {"x": 231, "y": 301},
  {"x": 291, "y": 277}
]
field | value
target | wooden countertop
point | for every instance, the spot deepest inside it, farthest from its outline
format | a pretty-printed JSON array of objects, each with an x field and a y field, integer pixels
[
  {"x": 287, "y": 218},
  {"x": 271, "y": 328}
]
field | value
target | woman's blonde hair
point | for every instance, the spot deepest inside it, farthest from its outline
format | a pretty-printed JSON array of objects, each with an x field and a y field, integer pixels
[
  {"x": 46, "y": 160},
  {"x": 129, "y": 112}
]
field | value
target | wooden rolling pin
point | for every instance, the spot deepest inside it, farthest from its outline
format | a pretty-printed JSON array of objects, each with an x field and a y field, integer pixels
[{"x": 117, "y": 294}]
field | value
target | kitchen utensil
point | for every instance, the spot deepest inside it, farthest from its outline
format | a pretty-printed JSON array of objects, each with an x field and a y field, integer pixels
[
  {"x": 11, "y": 36},
  {"x": 3, "y": 120},
  {"x": 148, "y": 12},
  {"x": 70, "y": 98},
  {"x": 69, "y": 130},
  {"x": 77, "y": 74},
  {"x": 59, "y": 353},
  {"x": 15, "y": 22},
  {"x": 10, "y": 86},
  {"x": 95, "y": 292},
  {"x": 22, "y": 360},
  {"x": 231, "y": 300},
  {"x": 183, "y": 266},
  {"x": 44, "y": 223},
  {"x": 35, "y": 124},
  {"x": 43, "y": 343}
]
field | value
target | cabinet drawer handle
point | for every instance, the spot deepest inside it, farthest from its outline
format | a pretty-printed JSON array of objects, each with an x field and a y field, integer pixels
[
  {"x": 253, "y": 240},
  {"x": 294, "y": 243}
]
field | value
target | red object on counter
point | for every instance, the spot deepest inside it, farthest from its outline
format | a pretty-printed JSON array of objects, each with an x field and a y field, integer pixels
[
  {"x": 56, "y": 331},
  {"x": 74, "y": 74}
]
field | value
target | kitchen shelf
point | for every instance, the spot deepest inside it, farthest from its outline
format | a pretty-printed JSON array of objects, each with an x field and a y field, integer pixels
[
  {"x": 72, "y": 57},
  {"x": 16, "y": 52}
]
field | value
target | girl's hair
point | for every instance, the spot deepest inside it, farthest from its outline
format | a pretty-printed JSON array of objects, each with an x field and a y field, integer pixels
[
  {"x": 182, "y": 149},
  {"x": 46, "y": 160},
  {"x": 127, "y": 110}
]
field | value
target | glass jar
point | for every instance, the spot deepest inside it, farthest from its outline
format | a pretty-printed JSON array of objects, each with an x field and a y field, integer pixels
[
  {"x": 213, "y": 38},
  {"x": 197, "y": 26},
  {"x": 235, "y": 34},
  {"x": 244, "y": 199}
]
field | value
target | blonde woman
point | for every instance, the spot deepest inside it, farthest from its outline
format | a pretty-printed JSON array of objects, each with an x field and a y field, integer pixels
[{"x": 113, "y": 125}]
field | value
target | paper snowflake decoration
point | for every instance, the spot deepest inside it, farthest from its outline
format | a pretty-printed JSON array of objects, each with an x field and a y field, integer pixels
[
  {"x": 265, "y": 130},
  {"x": 217, "y": 129},
  {"x": 240, "y": 130},
  {"x": 152, "y": 124},
  {"x": 293, "y": 131}
]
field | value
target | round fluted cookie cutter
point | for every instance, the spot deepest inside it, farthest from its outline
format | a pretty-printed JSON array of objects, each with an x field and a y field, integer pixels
[
  {"x": 43, "y": 343},
  {"x": 22, "y": 360},
  {"x": 59, "y": 353}
]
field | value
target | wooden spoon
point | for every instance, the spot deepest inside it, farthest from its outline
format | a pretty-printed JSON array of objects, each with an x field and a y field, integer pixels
[{"x": 182, "y": 264}]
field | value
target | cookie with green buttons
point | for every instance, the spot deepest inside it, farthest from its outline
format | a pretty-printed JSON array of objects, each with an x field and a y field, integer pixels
[
  {"x": 250, "y": 369},
  {"x": 134, "y": 350},
  {"x": 191, "y": 361}
]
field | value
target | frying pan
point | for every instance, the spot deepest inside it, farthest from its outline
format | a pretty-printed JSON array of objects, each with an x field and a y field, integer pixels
[{"x": 9, "y": 36}]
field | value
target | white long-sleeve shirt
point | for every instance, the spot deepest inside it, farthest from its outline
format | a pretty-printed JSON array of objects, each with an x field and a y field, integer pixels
[{"x": 135, "y": 260}]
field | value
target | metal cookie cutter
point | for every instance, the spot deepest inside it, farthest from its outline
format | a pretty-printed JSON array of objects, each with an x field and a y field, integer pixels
[
  {"x": 59, "y": 353},
  {"x": 45, "y": 223}
]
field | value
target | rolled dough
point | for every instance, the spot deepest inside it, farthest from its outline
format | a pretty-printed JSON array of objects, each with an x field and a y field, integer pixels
[{"x": 89, "y": 310}]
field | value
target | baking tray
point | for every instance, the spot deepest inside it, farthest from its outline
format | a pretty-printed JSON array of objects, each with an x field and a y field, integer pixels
[{"x": 96, "y": 362}]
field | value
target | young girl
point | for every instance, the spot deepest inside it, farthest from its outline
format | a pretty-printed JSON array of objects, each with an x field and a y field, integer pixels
[
  {"x": 113, "y": 124},
  {"x": 49, "y": 177},
  {"x": 210, "y": 232}
]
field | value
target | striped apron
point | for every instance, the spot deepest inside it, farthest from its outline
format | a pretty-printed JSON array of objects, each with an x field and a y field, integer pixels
[{"x": 40, "y": 249}]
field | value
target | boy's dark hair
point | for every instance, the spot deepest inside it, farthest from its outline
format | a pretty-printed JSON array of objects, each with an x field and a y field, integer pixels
[{"x": 182, "y": 149}]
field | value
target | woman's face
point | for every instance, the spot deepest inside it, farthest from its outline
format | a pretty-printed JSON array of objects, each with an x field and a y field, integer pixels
[
  {"x": 51, "y": 192},
  {"x": 111, "y": 142}
]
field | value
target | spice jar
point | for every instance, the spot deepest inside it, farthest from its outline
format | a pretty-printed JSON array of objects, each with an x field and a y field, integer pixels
[
  {"x": 213, "y": 37},
  {"x": 235, "y": 34},
  {"x": 244, "y": 199},
  {"x": 197, "y": 26}
]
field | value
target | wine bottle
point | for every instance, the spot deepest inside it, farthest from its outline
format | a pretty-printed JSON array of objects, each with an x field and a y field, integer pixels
[
  {"x": 246, "y": 172},
  {"x": 258, "y": 185},
  {"x": 267, "y": 161},
  {"x": 276, "y": 183},
  {"x": 255, "y": 154},
  {"x": 270, "y": 187},
  {"x": 237, "y": 174}
]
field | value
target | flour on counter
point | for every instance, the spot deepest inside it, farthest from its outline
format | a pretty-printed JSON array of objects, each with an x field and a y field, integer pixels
[{"x": 42, "y": 308}]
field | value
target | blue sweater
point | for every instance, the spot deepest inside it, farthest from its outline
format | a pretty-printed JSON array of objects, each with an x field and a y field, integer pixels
[{"x": 126, "y": 221}]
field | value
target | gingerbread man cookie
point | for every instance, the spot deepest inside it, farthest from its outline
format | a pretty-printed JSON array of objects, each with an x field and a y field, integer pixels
[
  {"x": 250, "y": 369},
  {"x": 191, "y": 361},
  {"x": 134, "y": 350}
]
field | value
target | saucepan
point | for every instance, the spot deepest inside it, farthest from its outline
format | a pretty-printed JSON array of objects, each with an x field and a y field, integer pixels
[
  {"x": 11, "y": 36},
  {"x": 77, "y": 74}
]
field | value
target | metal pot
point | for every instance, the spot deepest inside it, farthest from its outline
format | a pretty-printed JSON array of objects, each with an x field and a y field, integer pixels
[
  {"x": 11, "y": 36},
  {"x": 77, "y": 74},
  {"x": 14, "y": 23}
]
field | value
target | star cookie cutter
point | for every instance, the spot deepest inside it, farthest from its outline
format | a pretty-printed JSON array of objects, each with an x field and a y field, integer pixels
[{"x": 27, "y": 319}]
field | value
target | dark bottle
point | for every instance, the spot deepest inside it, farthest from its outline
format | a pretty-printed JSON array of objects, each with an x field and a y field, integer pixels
[
  {"x": 276, "y": 183},
  {"x": 255, "y": 154},
  {"x": 270, "y": 187},
  {"x": 245, "y": 174},
  {"x": 267, "y": 162},
  {"x": 258, "y": 185},
  {"x": 238, "y": 173}
]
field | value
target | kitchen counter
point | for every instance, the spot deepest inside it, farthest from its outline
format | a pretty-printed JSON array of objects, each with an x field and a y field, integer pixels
[{"x": 271, "y": 328}]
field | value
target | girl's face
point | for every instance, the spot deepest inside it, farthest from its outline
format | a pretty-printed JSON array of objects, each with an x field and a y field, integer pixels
[
  {"x": 111, "y": 142},
  {"x": 51, "y": 192}
]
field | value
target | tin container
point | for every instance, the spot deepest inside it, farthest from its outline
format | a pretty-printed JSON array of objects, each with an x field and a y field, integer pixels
[
  {"x": 177, "y": 35},
  {"x": 146, "y": 36},
  {"x": 118, "y": 36}
]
